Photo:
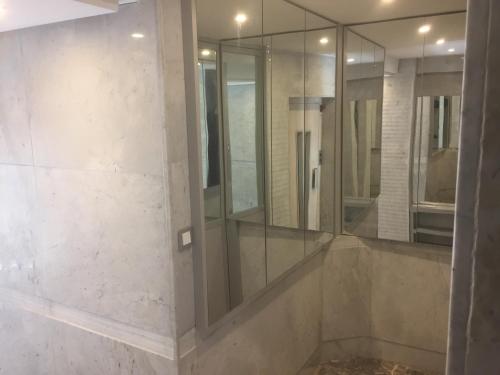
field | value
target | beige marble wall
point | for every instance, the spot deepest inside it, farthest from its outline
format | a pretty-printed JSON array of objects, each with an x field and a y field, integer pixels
[{"x": 386, "y": 299}]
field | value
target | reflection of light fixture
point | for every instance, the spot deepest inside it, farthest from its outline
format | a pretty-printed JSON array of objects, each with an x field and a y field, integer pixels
[
  {"x": 137, "y": 35},
  {"x": 205, "y": 52},
  {"x": 2, "y": 11},
  {"x": 440, "y": 41},
  {"x": 240, "y": 18},
  {"x": 424, "y": 29},
  {"x": 451, "y": 50},
  {"x": 387, "y": 1},
  {"x": 351, "y": 60},
  {"x": 323, "y": 40}
]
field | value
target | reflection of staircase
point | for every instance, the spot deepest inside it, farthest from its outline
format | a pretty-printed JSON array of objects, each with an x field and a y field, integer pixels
[{"x": 433, "y": 223}]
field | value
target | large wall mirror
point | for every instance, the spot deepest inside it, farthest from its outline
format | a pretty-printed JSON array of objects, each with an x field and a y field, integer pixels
[
  {"x": 267, "y": 123},
  {"x": 401, "y": 124},
  {"x": 286, "y": 162}
]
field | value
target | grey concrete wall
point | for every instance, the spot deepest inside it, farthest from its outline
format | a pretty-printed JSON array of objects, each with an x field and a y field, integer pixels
[
  {"x": 386, "y": 300},
  {"x": 475, "y": 311},
  {"x": 92, "y": 138}
]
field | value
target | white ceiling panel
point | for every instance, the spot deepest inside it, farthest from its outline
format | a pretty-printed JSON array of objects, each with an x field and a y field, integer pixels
[{"x": 19, "y": 14}]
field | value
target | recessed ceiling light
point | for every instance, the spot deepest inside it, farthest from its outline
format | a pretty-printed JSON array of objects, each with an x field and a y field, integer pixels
[
  {"x": 137, "y": 35},
  {"x": 240, "y": 18},
  {"x": 451, "y": 50},
  {"x": 424, "y": 29},
  {"x": 440, "y": 41},
  {"x": 205, "y": 52},
  {"x": 351, "y": 60},
  {"x": 323, "y": 40},
  {"x": 387, "y": 1}
]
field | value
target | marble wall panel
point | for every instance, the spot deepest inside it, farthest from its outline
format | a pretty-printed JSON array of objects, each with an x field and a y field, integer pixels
[
  {"x": 86, "y": 225},
  {"x": 276, "y": 335},
  {"x": 410, "y": 294},
  {"x": 15, "y": 139},
  {"x": 98, "y": 234},
  {"x": 18, "y": 268},
  {"x": 93, "y": 94},
  {"x": 386, "y": 299},
  {"x": 347, "y": 289}
]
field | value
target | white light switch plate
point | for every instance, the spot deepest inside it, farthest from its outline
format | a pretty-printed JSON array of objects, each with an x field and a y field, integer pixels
[{"x": 185, "y": 239}]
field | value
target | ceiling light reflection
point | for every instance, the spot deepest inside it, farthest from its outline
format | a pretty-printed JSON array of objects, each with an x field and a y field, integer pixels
[
  {"x": 440, "y": 41},
  {"x": 324, "y": 40},
  {"x": 137, "y": 35},
  {"x": 240, "y": 18},
  {"x": 424, "y": 29}
]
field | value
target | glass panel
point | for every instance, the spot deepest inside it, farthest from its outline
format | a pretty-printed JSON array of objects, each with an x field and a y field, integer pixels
[
  {"x": 235, "y": 262},
  {"x": 210, "y": 131},
  {"x": 319, "y": 122},
  {"x": 286, "y": 137},
  {"x": 362, "y": 129},
  {"x": 244, "y": 122},
  {"x": 286, "y": 67},
  {"x": 243, "y": 101},
  {"x": 267, "y": 147},
  {"x": 438, "y": 99}
]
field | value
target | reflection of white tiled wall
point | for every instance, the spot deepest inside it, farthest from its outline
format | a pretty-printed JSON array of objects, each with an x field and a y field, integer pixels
[
  {"x": 399, "y": 94},
  {"x": 287, "y": 80}
]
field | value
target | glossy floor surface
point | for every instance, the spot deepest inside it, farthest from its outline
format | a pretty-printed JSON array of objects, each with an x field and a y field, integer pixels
[{"x": 362, "y": 366}]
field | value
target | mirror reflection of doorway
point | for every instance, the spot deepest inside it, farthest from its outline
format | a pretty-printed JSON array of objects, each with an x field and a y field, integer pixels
[{"x": 305, "y": 135}]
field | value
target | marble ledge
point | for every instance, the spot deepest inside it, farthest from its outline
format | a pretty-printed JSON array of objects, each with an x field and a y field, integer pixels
[{"x": 147, "y": 341}]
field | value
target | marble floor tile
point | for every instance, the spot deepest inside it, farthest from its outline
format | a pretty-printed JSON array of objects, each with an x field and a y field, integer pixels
[{"x": 361, "y": 366}]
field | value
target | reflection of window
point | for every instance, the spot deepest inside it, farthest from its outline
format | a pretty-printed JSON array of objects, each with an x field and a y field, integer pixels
[
  {"x": 441, "y": 123},
  {"x": 363, "y": 141},
  {"x": 435, "y": 168},
  {"x": 209, "y": 124},
  {"x": 436, "y": 149},
  {"x": 210, "y": 134}
]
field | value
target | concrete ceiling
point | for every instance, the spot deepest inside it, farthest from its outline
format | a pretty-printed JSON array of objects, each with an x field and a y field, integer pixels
[{"x": 19, "y": 14}]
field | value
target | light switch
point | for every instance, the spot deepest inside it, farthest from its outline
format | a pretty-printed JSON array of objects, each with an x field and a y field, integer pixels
[{"x": 185, "y": 239}]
